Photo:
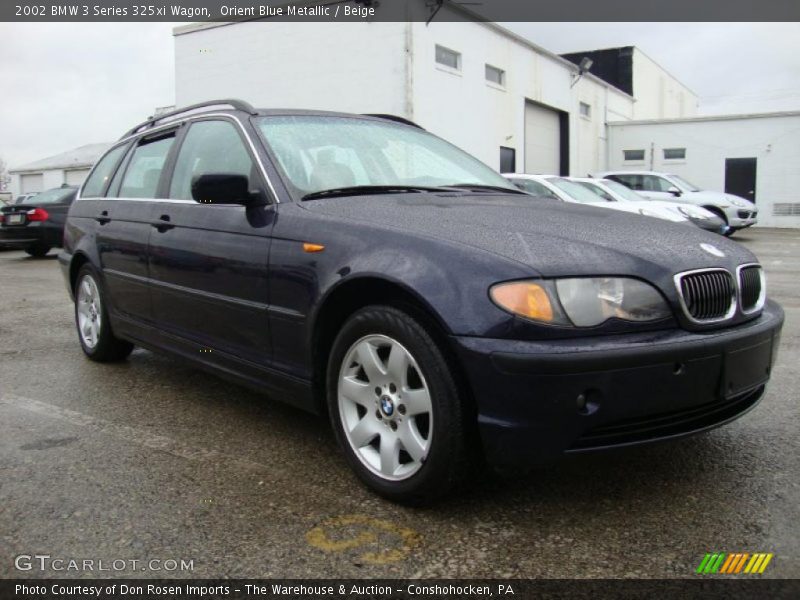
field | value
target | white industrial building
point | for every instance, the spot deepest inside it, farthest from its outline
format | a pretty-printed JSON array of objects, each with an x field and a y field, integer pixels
[
  {"x": 755, "y": 156},
  {"x": 475, "y": 84},
  {"x": 69, "y": 167}
]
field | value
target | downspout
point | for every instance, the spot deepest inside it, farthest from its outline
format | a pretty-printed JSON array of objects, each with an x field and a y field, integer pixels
[{"x": 409, "y": 86}]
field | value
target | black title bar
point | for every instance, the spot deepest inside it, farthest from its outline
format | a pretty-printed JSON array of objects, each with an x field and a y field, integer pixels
[{"x": 399, "y": 10}]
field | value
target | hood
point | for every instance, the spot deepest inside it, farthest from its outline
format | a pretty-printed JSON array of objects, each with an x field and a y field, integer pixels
[
  {"x": 720, "y": 198},
  {"x": 651, "y": 209},
  {"x": 553, "y": 238}
]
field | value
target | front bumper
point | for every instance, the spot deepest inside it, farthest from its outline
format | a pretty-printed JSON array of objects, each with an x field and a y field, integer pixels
[
  {"x": 714, "y": 224},
  {"x": 539, "y": 400},
  {"x": 740, "y": 218}
]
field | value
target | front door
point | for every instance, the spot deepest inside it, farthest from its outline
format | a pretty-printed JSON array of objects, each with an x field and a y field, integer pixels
[
  {"x": 208, "y": 262},
  {"x": 740, "y": 177}
]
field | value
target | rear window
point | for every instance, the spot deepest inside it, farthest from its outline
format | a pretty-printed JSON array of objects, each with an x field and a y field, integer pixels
[
  {"x": 144, "y": 169},
  {"x": 54, "y": 196}
]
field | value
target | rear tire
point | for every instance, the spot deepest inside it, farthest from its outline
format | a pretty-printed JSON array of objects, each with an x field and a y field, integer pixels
[
  {"x": 91, "y": 320},
  {"x": 395, "y": 408},
  {"x": 37, "y": 250}
]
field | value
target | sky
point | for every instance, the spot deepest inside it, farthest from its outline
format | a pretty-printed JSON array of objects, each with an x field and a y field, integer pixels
[{"x": 63, "y": 85}]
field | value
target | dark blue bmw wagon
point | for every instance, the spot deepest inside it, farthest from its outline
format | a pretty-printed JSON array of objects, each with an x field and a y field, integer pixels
[{"x": 358, "y": 266}]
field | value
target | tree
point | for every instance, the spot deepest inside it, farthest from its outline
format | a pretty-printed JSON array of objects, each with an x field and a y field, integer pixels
[{"x": 4, "y": 178}]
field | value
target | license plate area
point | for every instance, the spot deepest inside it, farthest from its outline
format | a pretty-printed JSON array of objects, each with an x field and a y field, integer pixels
[
  {"x": 747, "y": 368},
  {"x": 15, "y": 219}
]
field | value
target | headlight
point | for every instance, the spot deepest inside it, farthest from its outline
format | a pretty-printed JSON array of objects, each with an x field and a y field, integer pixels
[
  {"x": 740, "y": 202},
  {"x": 582, "y": 302}
]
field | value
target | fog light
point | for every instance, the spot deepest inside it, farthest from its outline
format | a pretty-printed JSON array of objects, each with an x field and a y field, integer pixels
[{"x": 589, "y": 401}]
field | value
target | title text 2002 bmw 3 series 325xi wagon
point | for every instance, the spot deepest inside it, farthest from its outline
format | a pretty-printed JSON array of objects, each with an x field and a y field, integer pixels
[{"x": 361, "y": 267}]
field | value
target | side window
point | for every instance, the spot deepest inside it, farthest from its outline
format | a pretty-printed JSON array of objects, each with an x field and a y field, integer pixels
[
  {"x": 652, "y": 183},
  {"x": 103, "y": 171},
  {"x": 144, "y": 168},
  {"x": 209, "y": 147},
  {"x": 632, "y": 181}
]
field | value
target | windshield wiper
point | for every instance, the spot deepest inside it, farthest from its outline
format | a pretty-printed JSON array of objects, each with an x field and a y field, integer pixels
[
  {"x": 362, "y": 190},
  {"x": 478, "y": 187}
]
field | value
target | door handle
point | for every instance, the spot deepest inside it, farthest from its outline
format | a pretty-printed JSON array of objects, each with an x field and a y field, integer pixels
[
  {"x": 163, "y": 224},
  {"x": 103, "y": 218}
]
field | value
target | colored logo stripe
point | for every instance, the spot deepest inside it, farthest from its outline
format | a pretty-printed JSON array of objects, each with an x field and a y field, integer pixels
[{"x": 733, "y": 563}]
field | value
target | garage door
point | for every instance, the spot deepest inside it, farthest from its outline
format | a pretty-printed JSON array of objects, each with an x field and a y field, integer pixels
[
  {"x": 75, "y": 176},
  {"x": 542, "y": 140},
  {"x": 31, "y": 183}
]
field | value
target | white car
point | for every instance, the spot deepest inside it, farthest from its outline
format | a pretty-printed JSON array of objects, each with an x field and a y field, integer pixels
[
  {"x": 561, "y": 188},
  {"x": 737, "y": 212},
  {"x": 613, "y": 191}
]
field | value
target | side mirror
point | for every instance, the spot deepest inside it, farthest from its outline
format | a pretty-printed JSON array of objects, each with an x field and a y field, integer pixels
[
  {"x": 222, "y": 188},
  {"x": 674, "y": 191}
]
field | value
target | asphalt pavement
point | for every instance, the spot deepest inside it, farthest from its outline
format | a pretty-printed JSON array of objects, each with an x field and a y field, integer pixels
[{"x": 190, "y": 476}]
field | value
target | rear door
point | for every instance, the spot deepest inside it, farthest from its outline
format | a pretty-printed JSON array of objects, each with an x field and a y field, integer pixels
[
  {"x": 124, "y": 224},
  {"x": 208, "y": 262}
]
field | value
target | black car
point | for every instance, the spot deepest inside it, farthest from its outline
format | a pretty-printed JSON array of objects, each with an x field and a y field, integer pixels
[
  {"x": 37, "y": 224},
  {"x": 361, "y": 267}
]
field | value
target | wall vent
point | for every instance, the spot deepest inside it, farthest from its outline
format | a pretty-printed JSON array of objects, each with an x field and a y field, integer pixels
[{"x": 786, "y": 209}]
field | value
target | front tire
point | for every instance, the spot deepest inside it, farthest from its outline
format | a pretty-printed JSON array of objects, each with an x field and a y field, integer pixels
[
  {"x": 395, "y": 407},
  {"x": 91, "y": 319},
  {"x": 37, "y": 250}
]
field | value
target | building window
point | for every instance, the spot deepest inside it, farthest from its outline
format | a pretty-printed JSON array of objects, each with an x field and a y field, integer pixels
[
  {"x": 674, "y": 153},
  {"x": 633, "y": 155},
  {"x": 448, "y": 58},
  {"x": 495, "y": 75},
  {"x": 586, "y": 110},
  {"x": 508, "y": 160}
]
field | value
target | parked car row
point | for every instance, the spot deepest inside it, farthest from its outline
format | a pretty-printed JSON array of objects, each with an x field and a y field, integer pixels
[
  {"x": 608, "y": 193},
  {"x": 737, "y": 213},
  {"x": 360, "y": 267}
]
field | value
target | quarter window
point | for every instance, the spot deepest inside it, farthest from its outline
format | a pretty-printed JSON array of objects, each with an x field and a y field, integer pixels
[
  {"x": 448, "y": 58},
  {"x": 209, "y": 147},
  {"x": 144, "y": 169},
  {"x": 633, "y": 155},
  {"x": 97, "y": 181},
  {"x": 495, "y": 75}
]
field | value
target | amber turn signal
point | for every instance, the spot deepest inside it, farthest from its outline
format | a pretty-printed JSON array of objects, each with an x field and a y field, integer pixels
[
  {"x": 312, "y": 247},
  {"x": 525, "y": 299}
]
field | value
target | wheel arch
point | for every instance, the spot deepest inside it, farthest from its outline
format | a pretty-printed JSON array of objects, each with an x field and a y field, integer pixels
[
  {"x": 78, "y": 260},
  {"x": 356, "y": 293},
  {"x": 717, "y": 211}
]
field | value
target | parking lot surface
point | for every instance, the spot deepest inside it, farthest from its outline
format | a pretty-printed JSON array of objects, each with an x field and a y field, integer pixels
[{"x": 151, "y": 460}]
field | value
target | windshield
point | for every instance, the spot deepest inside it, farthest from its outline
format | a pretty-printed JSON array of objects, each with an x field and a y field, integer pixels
[
  {"x": 54, "y": 196},
  {"x": 597, "y": 190},
  {"x": 575, "y": 190},
  {"x": 319, "y": 153},
  {"x": 690, "y": 187},
  {"x": 623, "y": 191}
]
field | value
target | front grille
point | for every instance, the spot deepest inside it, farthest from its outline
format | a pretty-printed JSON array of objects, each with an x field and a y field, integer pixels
[
  {"x": 744, "y": 214},
  {"x": 708, "y": 295},
  {"x": 750, "y": 288}
]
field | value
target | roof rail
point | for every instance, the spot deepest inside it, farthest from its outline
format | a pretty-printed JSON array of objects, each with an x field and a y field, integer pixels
[
  {"x": 151, "y": 121},
  {"x": 394, "y": 118}
]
